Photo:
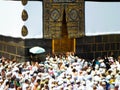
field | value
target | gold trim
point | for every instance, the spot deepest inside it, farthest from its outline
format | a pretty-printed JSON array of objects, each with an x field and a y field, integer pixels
[
  {"x": 53, "y": 49},
  {"x": 74, "y": 45}
]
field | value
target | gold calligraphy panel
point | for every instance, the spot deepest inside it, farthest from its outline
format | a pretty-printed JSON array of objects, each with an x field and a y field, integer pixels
[
  {"x": 75, "y": 20},
  {"x": 53, "y": 15},
  {"x": 52, "y": 20}
]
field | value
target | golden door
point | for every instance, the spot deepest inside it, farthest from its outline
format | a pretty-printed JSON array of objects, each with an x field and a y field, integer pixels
[{"x": 63, "y": 45}]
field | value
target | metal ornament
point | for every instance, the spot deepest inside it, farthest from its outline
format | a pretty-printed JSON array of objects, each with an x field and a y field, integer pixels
[
  {"x": 24, "y": 31},
  {"x": 24, "y": 2},
  {"x": 24, "y": 15}
]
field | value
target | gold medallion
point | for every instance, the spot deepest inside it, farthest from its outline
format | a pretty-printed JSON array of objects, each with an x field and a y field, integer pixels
[
  {"x": 24, "y": 15},
  {"x": 24, "y": 31},
  {"x": 24, "y": 2}
]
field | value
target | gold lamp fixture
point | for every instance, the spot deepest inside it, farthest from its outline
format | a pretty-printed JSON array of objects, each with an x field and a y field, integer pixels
[
  {"x": 24, "y": 2},
  {"x": 24, "y": 15},
  {"x": 24, "y": 31}
]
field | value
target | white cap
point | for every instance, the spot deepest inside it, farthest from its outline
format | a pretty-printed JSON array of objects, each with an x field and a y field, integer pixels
[
  {"x": 15, "y": 69},
  {"x": 8, "y": 73},
  {"x": 60, "y": 82},
  {"x": 1, "y": 80},
  {"x": 77, "y": 81}
]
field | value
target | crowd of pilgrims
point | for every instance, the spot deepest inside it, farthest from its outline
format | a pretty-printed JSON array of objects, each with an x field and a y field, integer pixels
[{"x": 61, "y": 72}]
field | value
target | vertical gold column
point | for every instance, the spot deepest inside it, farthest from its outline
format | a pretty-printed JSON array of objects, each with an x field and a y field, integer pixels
[
  {"x": 53, "y": 47},
  {"x": 74, "y": 45}
]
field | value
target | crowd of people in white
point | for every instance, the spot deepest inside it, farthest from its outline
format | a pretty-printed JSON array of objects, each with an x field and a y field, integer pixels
[{"x": 61, "y": 72}]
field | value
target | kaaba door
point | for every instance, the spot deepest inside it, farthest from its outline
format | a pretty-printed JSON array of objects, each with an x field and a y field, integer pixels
[
  {"x": 63, "y": 21},
  {"x": 64, "y": 44}
]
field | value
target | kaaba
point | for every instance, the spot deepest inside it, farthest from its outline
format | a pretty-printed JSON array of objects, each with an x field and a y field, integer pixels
[{"x": 63, "y": 31}]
